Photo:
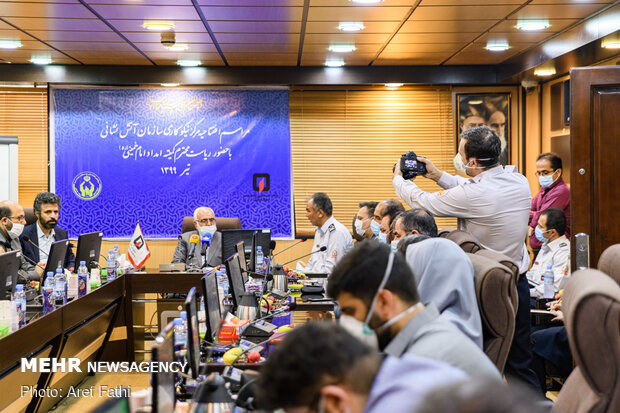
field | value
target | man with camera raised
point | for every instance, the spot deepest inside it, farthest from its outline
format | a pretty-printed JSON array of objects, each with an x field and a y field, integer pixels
[{"x": 494, "y": 206}]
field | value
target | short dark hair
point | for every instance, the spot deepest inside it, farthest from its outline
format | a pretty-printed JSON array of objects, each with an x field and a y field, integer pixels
[
  {"x": 321, "y": 201},
  {"x": 556, "y": 219},
  {"x": 45, "y": 198},
  {"x": 421, "y": 220},
  {"x": 310, "y": 357},
  {"x": 553, "y": 158},
  {"x": 5, "y": 211},
  {"x": 360, "y": 271},
  {"x": 404, "y": 243},
  {"x": 393, "y": 207},
  {"x": 482, "y": 144},
  {"x": 370, "y": 206}
]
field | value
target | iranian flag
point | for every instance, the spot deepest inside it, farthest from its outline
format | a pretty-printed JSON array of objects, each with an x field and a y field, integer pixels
[{"x": 138, "y": 251}]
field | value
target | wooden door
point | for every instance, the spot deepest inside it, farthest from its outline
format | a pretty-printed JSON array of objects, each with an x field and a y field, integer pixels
[{"x": 595, "y": 157}]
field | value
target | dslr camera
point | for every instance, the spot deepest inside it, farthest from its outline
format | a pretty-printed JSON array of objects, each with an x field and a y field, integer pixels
[{"x": 410, "y": 167}]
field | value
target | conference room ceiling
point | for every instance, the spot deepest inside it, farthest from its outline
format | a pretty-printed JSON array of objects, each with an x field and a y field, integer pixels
[{"x": 282, "y": 32}]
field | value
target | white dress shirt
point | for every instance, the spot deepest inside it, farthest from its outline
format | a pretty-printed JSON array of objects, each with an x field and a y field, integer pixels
[
  {"x": 557, "y": 254},
  {"x": 338, "y": 240},
  {"x": 45, "y": 243},
  {"x": 494, "y": 206}
]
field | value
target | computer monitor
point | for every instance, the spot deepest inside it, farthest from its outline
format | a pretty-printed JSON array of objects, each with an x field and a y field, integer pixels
[
  {"x": 56, "y": 257},
  {"x": 213, "y": 311},
  {"x": 193, "y": 339},
  {"x": 230, "y": 238},
  {"x": 236, "y": 284},
  {"x": 88, "y": 249},
  {"x": 9, "y": 266},
  {"x": 252, "y": 260},
  {"x": 162, "y": 382},
  {"x": 242, "y": 257}
]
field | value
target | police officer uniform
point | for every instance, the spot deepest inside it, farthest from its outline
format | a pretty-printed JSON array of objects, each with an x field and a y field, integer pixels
[
  {"x": 494, "y": 206},
  {"x": 557, "y": 254},
  {"x": 338, "y": 240}
]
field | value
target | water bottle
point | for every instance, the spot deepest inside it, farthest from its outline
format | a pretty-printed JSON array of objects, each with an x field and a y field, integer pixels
[
  {"x": 19, "y": 300},
  {"x": 180, "y": 334},
  {"x": 49, "y": 304},
  {"x": 82, "y": 279},
  {"x": 60, "y": 288},
  {"x": 549, "y": 291},
  {"x": 117, "y": 259},
  {"x": 259, "y": 259},
  {"x": 111, "y": 266},
  {"x": 103, "y": 276}
]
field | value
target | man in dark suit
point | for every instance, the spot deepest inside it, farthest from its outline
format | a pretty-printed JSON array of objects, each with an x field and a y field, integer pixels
[
  {"x": 44, "y": 232},
  {"x": 204, "y": 221}
]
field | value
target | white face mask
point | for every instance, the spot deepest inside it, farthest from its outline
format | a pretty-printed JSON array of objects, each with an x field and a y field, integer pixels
[
  {"x": 394, "y": 245},
  {"x": 208, "y": 229},
  {"x": 358, "y": 227},
  {"x": 359, "y": 330},
  {"x": 382, "y": 237},
  {"x": 458, "y": 164},
  {"x": 17, "y": 229}
]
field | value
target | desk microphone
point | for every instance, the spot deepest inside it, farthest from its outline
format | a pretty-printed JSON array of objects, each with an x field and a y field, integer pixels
[
  {"x": 27, "y": 239},
  {"x": 270, "y": 339},
  {"x": 31, "y": 261},
  {"x": 281, "y": 310},
  {"x": 303, "y": 239},
  {"x": 323, "y": 248},
  {"x": 193, "y": 241},
  {"x": 206, "y": 243}
]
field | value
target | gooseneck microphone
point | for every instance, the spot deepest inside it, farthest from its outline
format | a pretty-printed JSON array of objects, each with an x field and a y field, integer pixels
[
  {"x": 27, "y": 239},
  {"x": 193, "y": 241},
  {"x": 323, "y": 248},
  {"x": 281, "y": 310},
  {"x": 303, "y": 239}
]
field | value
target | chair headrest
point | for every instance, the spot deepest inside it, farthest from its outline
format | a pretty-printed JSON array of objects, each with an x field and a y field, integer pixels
[
  {"x": 465, "y": 240},
  {"x": 609, "y": 262},
  {"x": 592, "y": 319},
  {"x": 502, "y": 259},
  {"x": 445, "y": 231},
  {"x": 220, "y": 222},
  {"x": 31, "y": 218}
]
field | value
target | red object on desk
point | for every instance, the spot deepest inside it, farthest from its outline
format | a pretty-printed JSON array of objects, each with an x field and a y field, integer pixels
[{"x": 229, "y": 333}]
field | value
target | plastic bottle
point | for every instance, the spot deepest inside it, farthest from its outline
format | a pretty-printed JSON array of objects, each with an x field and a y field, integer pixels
[
  {"x": 180, "y": 334},
  {"x": 549, "y": 289},
  {"x": 117, "y": 259},
  {"x": 60, "y": 288},
  {"x": 103, "y": 276},
  {"x": 259, "y": 259},
  {"x": 19, "y": 299},
  {"x": 82, "y": 279},
  {"x": 49, "y": 304},
  {"x": 111, "y": 266}
]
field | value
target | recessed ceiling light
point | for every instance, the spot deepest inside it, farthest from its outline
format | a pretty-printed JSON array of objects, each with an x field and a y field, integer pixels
[
  {"x": 341, "y": 48},
  {"x": 188, "y": 62},
  {"x": 10, "y": 44},
  {"x": 170, "y": 84},
  {"x": 41, "y": 60},
  {"x": 351, "y": 26},
  {"x": 532, "y": 25},
  {"x": 366, "y": 1},
  {"x": 334, "y": 62},
  {"x": 545, "y": 71},
  {"x": 158, "y": 26},
  {"x": 178, "y": 47},
  {"x": 393, "y": 84},
  {"x": 611, "y": 43},
  {"x": 497, "y": 45}
]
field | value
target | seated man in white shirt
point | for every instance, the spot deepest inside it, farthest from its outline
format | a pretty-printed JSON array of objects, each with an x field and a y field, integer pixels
[{"x": 555, "y": 251}]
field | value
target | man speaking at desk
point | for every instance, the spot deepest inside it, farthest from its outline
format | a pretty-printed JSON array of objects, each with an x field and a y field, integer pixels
[{"x": 191, "y": 245}]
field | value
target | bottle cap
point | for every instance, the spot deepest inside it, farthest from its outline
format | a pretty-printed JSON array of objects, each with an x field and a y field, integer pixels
[
  {"x": 115, "y": 245},
  {"x": 178, "y": 322},
  {"x": 82, "y": 262},
  {"x": 58, "y": 270},
  {"x": 19, "y": 287},
  {"x": 50, "y": 274},
  {"x": 183, "y": 315}
]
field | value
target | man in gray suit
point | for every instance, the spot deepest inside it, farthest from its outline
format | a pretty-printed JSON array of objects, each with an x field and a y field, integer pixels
[{"x": 206, "y": 254}]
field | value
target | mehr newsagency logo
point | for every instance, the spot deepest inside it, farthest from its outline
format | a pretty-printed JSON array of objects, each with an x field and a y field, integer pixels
[{"x": 86, "y": 186}]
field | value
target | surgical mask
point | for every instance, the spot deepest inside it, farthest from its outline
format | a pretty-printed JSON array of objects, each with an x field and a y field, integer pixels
[
  {"x": 545, "y": 181},
  {"x": 17, "y": 229},
  {"x": 358, "y": 227},
  {"x": 458, "y": 164},
  {"x": 207, "y": 229},
  {"x": 394, "y": 245},
  {"x": 375, "y": 227},
  {"x": 382, "y": 237},
  {"x": 359, "y": 330},
  {"x": 539, "y": 235}
]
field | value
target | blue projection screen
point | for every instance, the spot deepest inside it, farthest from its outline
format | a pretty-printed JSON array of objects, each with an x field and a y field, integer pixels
[{"x": 154, "y": 155}]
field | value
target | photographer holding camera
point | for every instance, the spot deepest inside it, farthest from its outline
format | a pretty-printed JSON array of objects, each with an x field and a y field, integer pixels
[{"x": 494, "y": 206}]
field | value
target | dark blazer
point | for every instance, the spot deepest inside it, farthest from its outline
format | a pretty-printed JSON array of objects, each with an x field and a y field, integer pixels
[{"x": 31, "y": 252}]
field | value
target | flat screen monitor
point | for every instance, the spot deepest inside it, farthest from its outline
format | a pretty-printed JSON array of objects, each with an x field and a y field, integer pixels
[
  {"x": 193, "y": 338},
  {"x": 242, "y": 257},
  {"x": 252, "y": 260},
  {"x": 88, "y": 249},
  {"x": 56, "y": 257},
  {"x": 162, "y": 383},
  {"x": 230, "y": 238},
  {"x": 236, "y": 285},
  {"x": 213, "y": 311},
  {"x": 9, "y": 266}
]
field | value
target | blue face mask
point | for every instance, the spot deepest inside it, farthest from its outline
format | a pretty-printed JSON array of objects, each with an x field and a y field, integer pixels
[
  {"x": 382, "y": 237},
  {"x": 375, "y": 227},
  {"x": 545, "y": 181},
  {"x": 394, "y": 245},
  {"x": 539, "y": 235}
]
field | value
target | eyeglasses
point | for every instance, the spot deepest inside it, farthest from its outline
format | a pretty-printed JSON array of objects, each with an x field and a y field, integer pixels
[
  {"x": 544, "y": 173},
  {"x": 206, "y": 221},
  {"x": 19, "y": 218}
]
